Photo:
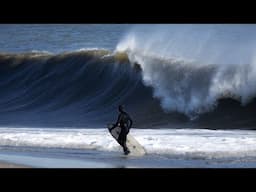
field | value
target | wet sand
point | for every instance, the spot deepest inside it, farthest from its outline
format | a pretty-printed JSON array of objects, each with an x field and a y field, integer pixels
[
  {"x": 11, "y": 165},
  {"x": 64, "y": 158}
]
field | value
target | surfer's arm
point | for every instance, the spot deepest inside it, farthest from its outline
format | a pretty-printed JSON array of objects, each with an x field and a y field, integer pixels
[
  {"x": 118, "y": 120},
  {"x": 131, "y": 122}
]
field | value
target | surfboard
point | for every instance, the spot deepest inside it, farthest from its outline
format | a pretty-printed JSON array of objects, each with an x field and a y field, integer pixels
[{"x": 136, "y": 149}]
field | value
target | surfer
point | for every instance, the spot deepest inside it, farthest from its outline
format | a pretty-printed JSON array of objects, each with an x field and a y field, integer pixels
[{"x": 125, "y": 122}]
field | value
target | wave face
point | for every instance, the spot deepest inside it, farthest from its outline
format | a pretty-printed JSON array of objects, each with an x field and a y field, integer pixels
[
  {"x": 79, "y": 88},
  {"x": 73, "y": 89}
]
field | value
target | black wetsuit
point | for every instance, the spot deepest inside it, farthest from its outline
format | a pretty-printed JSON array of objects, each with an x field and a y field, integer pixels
[{"x": 125, "y": 122}]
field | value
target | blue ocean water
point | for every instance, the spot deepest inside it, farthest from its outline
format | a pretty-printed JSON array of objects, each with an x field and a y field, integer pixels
[{"x": 59, "y": 37}]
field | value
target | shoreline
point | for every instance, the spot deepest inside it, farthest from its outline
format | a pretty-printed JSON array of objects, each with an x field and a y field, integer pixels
[{"x": 5, "y": 164}]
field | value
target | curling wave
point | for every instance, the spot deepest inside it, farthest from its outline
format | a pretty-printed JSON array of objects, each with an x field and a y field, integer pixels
[{"x": 83, "y": 88}]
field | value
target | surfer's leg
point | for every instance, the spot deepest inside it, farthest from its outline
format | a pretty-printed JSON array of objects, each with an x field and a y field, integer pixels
[
  {"x": 123, "y": 139},
  {"x": 126, "y": 150}
]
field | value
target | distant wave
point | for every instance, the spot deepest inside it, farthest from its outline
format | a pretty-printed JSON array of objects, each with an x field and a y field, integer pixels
[{"x": 83, "y": 89}]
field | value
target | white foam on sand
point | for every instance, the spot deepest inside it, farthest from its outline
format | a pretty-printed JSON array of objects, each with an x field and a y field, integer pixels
[{"x": 176, "y": 142}]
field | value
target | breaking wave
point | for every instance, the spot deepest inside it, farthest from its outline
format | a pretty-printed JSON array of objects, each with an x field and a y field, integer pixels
[{"x": 83, "y": 89}]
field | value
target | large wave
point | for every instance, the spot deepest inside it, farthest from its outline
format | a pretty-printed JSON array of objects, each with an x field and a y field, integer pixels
[
  {"x": 160, "y": 86},
  {"x": 79, "y": 89}
]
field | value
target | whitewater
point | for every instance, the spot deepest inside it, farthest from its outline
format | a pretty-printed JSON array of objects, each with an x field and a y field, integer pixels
[
  {"x": 187, "y": 143},
  {"x": 95, "y": 148}
]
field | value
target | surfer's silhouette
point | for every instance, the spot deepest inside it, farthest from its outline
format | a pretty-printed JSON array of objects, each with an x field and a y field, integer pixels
[{"x": 125, "y": 122}]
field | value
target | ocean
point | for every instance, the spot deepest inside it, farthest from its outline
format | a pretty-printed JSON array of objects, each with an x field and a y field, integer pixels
[{"x": 189, "y": 88}]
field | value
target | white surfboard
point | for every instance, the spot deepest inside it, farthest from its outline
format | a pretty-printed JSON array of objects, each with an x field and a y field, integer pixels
[{"x": 135, "y": 148}]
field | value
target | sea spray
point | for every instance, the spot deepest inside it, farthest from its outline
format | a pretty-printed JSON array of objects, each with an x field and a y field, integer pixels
[{"x": 190, "y": 67}]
